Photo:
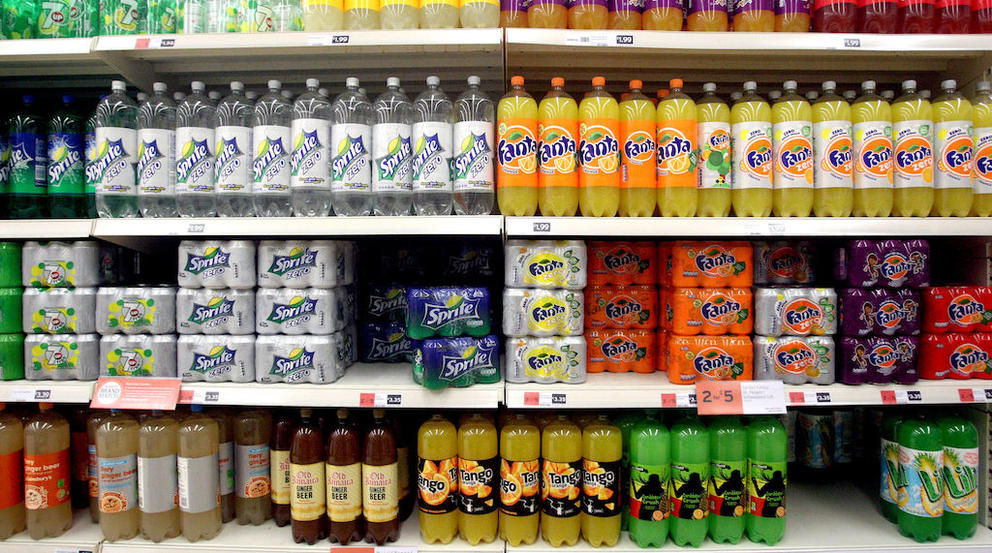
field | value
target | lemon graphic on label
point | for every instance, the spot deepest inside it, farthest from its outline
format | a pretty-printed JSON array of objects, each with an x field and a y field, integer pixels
[
  {"x": 859, "y": 135},
  {"x": 394, "y": 145},
  {"x": 102, "y": 151},
  {"x": 825, "y": 133},
  {"x": 453, "y": 302},
  {"x": 469, "y": 352},
  {"x": 467, "y": 143},
  {"x": 295, "y": 252},
  {"x": 216, "y": 350},
  {"x": 343, "y": 145},
  {"x": 296, "y": 353},
  {"x": 60, "y": 153},
  {"x": 188, "y": 149},
  {"x": 942, "y": 134},
  {"x": 297, "y": 300},
  {"x": 298, "y": 142},
  {"x": 421, "y": 144},
  {"x": 263, "y": 147},
  {"x": 209, "y": 252}
]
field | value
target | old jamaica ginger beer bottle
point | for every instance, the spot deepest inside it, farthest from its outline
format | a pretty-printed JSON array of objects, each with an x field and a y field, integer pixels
[
  {"x": 520, "y": 480},
  {"x": 437, "y": 480}
]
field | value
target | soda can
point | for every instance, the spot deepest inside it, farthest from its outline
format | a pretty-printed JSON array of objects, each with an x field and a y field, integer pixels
[
  {"x": 783, "y": 262},
  {"x": 661, "y": 341},
  {"x": 537, "y": 312},
  {"x": 11, "y": 306},
  {"x": 545, "y": 264},
  {"x": 136, "y": 310},
  {"x": 621, "y": 263},
  {"x": 296, "y": 311},
  {"x": 295, "y": 359},
  {"x": 345, "y": 260},
  {"x": 468, "y": 263},
  {"x": 345, "y": 305},
  {"x": 386, "y": 343},
  {"x": 223, "y": 358},
  {"x": 692, "y": 358},
  {"x": 207, "y": 311},
  {"x": 919, "y": 257},
  {"x": 794, "y": 359},
  {"x": 386, "y": 303},
  {"x": 955, "y": 355},
  {"x": 634, "y": 306},
  {"x": 957, "y": 309},
  {"x": 58, "y": 310},
  {"x": 910, "y": 300},
  {"x": 10, "y": 265},
  {"x": 456, "y": 362},
  {"x": 60, "y": 264},
  {"x": 64, "y": 357},
  {"x": 710, "y": 311},
  {"x": 346, "y": 344},
  {"x": 447, "y": 311},
  {"x": 815, "y": 439},
  {"x": 907, "y": 347},
  {"x": 622, "y": 350},
  {"x": 138, "y": 355},
  {"x": 546, "y": 360},
  {"x": 711, "y": 264},
  {"x": 795, "y": 311},
  {"x": 297, "y": 264},
  {"x": 217, "y": 264},
  {"x": 866, "y": 312},
  {"x": 12, "y": 356}
]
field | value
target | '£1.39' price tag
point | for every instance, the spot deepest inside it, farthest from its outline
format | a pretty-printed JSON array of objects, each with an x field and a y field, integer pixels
[{"x": 764, "y": 397}]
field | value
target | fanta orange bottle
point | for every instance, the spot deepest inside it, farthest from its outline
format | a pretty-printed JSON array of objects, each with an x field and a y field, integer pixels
[
  {"x": 547, "y": 14},
  {"x": 693, "y": 358},
  {"x": 792, "y": 133},
  {"x": 599, "y": 152},
  {"x": 587, "y": 14},
  {"x": 751, "y": 133},
  {"x": 677, "y": 183},
  {"x": 714, "y": 154},
  {"x": 872, "y": 118},
  {"x": 561, "y": 474},
  {"x": 520, "y": 480},
  {"x": 558, "y": 131},
  {"x": 516, "y": 151},
  {"x": 637, "y": 155}
]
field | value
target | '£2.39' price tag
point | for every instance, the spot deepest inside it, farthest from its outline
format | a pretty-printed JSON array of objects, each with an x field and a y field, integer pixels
[{"x": 764, "y": 397}]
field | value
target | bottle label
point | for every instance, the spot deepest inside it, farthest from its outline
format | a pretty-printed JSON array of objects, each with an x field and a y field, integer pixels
[
  {"x": 308, "y": 494},
  {"x": 431, "y": 156},
  {"x": 199, "y": 490},
  {"x": 766, "y": 488},
  {"x": 344, "y": 492},
  {"x": 659, "y": 4},
  {"x": 687, "y": 494},
  {"x": 599, "y": 149},
  {"x": 113, "y": 169},
  {"x": 232, "y": 168},
  {"x": 194, "y": 160},
  {"x": 225, "y": 466},
  {"x": 833, "y": 165},
  {"x": 923, "y": 493},
  {"x": 158, "y": 491},
  {"x": 891, "y": 472},
  {"x": 393, "y": 154},
  {"x": 727, "y": 488},
  {"x": 557, "y": 153},
  {"x": 744, "y": 6},
  {"x": 380, "y": 500},
  {"x": 477, "y": 485},
  {"x": 252, "y": 471},
  {"x": 12, "y": 474},
  {"x": 118, "y": 483},
  {"x": 873, "y": 151},
  {"x": 472, "y": 165},
  {"x": 4, "y": 159},
  {"x": 707, "y": 6},
  {"x": 960, "y": 473},
  {"x": 403, "y": 470},
  {"x": 92, "y": 472},
  {"x": 65, "y": 163},
  {"x": 89, "y": 150},
  {"x": 677, "y": 154},
  {"x": 953, "y": 145},
  {"x": 311, "y": 154},
  {"x": 28, "y": 164},
  {"x": 983, "y": 160},
  {"x": 156, "y": 162},
  {"x": 270, "y": 166},
  {"x": 714, "y": 155},
  {"x": 516, "y": 151},
  {"x": 637, "y": 155},
  {"x": 600, "y": 488},
  {"x": 437, "y": 482},
  {"x": 649, "y": 491},
  {"x": 912, "y": 154},
  {"x": 351, "y": 166},
  {"x": 752, "y": 154},
  {"x": 280, "y": 476},
  {"x": 46, "y": 480},
  {"x": 793, "y": 146},
  {"x": 520, "y": 482},
  {"x": 560, "y": 493}
]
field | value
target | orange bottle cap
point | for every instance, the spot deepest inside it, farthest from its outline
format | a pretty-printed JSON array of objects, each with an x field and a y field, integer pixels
[
  {"x": 636, "y": 84},
  {"x": 598, "y": 81},
  {"x": 662, "y": 92},
  {"x": 558, "y": 81},
  {"x": 517, "y": 80},
  {"x": 675, "y": 83},
  {"x": 45, "y": 406}
]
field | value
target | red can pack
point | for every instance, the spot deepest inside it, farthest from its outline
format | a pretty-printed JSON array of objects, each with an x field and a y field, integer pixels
[
  {"x": 623, "y": 263},
  {"x": 957, "y": 309},
  {"x": 633, "y": 306},
  {"x": 955, "y": 355}
]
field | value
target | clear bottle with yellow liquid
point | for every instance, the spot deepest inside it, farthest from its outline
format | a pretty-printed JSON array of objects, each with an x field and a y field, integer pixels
[
  {"x": 981, "y": 205},
  {"x": 792, "y": 134},
  {"x": 437, "y": 480},
  {"x": 520, "y": 480},
  {"x": 715, "y": 158},
  {"x": 599, "y": 152},
  {"x": 561, "y": 476},
  {"x": 478, "y": 480},
  {"x": 833, "y": 161},
  {"x": 751, "y": 144},
  {"x": 11, "y": 474},
  {"x": 93, "y": 422},
  {"x": 158, "y": 448},
  {"x": 602, "y": 454},
  {"x": 952, "y": 117},
  {"x": 117, "y": 451},
  {"x": 558, "y": 138},
  {"x": 912, "y": 153},
  {"x": 47, "y": 473},
  {"x": 637, "y": 154},
  {"x": 516, "y": 151},
  {"x": 678, "y": 186},
  {"x": 199, "y": 486},
  {"x": 872, "y": 117}
]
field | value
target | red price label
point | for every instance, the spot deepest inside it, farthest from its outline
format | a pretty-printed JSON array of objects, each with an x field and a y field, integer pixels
[
  {"x": 366, "y": 399},
  {"x": 532, "y": 399},
  {"x": 719, "y": 398},
  {"x": 797, "y": 398},
  {"x": 135, "y": 393},
  {"x": 967, "y": 395},
  {"x": 668, "y": 400}
]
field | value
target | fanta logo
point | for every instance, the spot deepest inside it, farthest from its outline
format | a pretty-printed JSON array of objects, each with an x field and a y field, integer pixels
[
  {"x": 212, "y": 258},
  {"x": 546, "y": 267},
  {"x": 149, "y": 155},
  {"x": 785, "y": 262},
  {"x": 228, "y": 157},
  {"x": 549, "y": 312},
  {"x": 983, "y": 163},
  {"x": 956, "y": 155},
  {"x": 111, "y": 160},
  {"x": 720, "y": 309},
  {"x": 473, "y": 358},
  {"x": 557, "y": 150},
  {"x": 299, "y": 359},
  {"x": 306, "y": 152},
  {"x": 351, "y": 150},
  {"x": 794, "y": 357},
  {"x": 757, "y": 158},
  {"x": 271, "y": 155},
  {"x": 795, "y": 156},
  {"x": 713, "y": 362},
  {"x": 194, "y": 162},
  {"x": 457, "y": 308},
  {"x": 889, "y": 314},
  {"x": 968, "y": 358},
  {"x": 428, "y": 148},
  {"x": 598, "y": 150},
  {"x": 515, "y": 148},
  {"x": 720, "y": 140},
  {"x": 840, "y": 158},
  {"x": 622, "y": 261},
  {"x": 675, "y": 151},
  {"x": 883, "y": 356},
  {"x": 802, "y": 316},
  {"x": 895, "y": 266},
  {"x": 545, "y": 361},
  {"x": 297, "y": 262},
  {"x": 965, "y": 310},
  {"x": 395, "y": 159},
  {"x": 621, "y": 307},
  {"x": 639, "y": 147},
  {"x": 394, "y": 346},
  {"x": 218, "y": 358},
  {"x": 913, "y": 155},
  {"x": 715, "y": 261},
  {"x": 876, "y": 156},
  {"x": 297, "y": 310},
  {"x": 216, "y": 308},
  {"x": 619, "y": 348},
  {"x": 475, "y": 153}
]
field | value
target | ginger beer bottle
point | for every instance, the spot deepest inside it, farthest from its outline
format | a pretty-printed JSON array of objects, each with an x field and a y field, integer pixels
[
  {"x": 117, "y": 454},
  {"x": 158, "y": 449},
  {"x": 344, "y": 480},
  {"x": 282, "y": 440},
  {"x": 380, "y": 481},
  {"x": 307, "y": 495},
  {"x": 11, "y": 474},
  {"x": 199, "y": 490},
  {"x": 46, "y": 474},
  {"x": 520, "y": 480},
  {"x": 437, "y": 480},
  {"x": 478, "y": 479},
  {"x": 252, "y": 432}
]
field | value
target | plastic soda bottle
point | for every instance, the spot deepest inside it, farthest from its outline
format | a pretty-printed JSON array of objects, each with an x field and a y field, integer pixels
[
  {"x": 392, "y": 152},
  {"x": 431, "y": 134},
  {"x": 626, "y": 422},
  {"x": 157, "y": 155},
  {"x": 12, "y": 473},
  {"x": 516, "y": 151},
  {"x": 872, "y": 117},
  {"x": 479, "y": 13},
  {"x": 520, "y": 480},
  {"x": 558, "y": 129},
  {"x": 194, "y": 154},
  {"x": 112, "y": 171},
  {"x": 953, "y": 17},
  {"x": 792, "y": 16},
  {"x": 225, "y": 463},
  {"x": 952, "y": 117},
  {"x": 960, "y": 474},
  {"x": 27, "y": 179},
  {"x": 833, "y": 162},
  {"x": 437, "y": 480},
  {"x": 472, "y": 161},
  {"x": 271, "y": 167},
  {"x": 715, "y": 158},
  {"x": 561, "y": 477},
  {"x": 677, "y": 153},
  {"x": 981, "y": 204},
  {"x": 913, "y": 175},
  {"x": 662, "y": 15},
  {"x": 754, "y": 16},
  {"x": 199, "y": 488},
  {"x": 981, "y": 16},
  {"x": 921, "y": 459},
  {"x": 224, "y": 16},
  {"x": 232, "y": 167},
  {"x": 917, "y": 16},
  {"x": 398, "y": 14},
  {"x": 93, "y": 423},
  {"x": 439, "y": 14},
  {"x": 380, "y": 481},
  {"x": 47, "y": 474},
  {"x": 158, "y": 447},
  {"x": 361, "y": 15},
  {"x": 624, "y": 14},
  {"x": 650, "y": 467},
  {"x": 690, "y": 474},
  {"x": 892, "y": 479},
  {"x": 792, "y": 133},
  {"x": 513, "y": 13},
  {"x": 637, "y": 155},
  {"x": 878, "y": 16},
  {"x": 548, "y": 14},
  {"x": 66, "y": 181},
  {"x": 587, "y": 14},
  {"x": 602, "y": 454},
  {"x": 124, "y": 17},
  {"x": 478, "y": 478},
  {"x": 728, "y": 479},
  {"x": 767, "y": 445},
  {"x": 751, "y": 145},
  {"x": 287, "y": 15},
  {"x": 323, "y": 15},
  {"x": 707, "y": 15},
  {"x": 283, "y": 430},
  {"x": 351, "y": 151},
  {"x": 117, "y": 458},
  {"x": 835, "y": 16},
  {"x": 19, "y": 19},
  {"x": 308, "y": 495},
  {"x": 599, "y": 152},
  {"x": 310, "y": 180},
  {"x": 344, "y": 480}
]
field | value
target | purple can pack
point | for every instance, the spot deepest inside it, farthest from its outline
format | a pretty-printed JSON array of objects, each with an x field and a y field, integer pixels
[
  {"x": 910, "y": 301},
  {"x": 659, "y": 4},
  {"x": 919, "y": 256},
  {"x": 907, "y": 347},
  {"x": 872, "y": 359},
  {"x": 852, "y": 367},
  {"x": 783, "y": 7},
  {"x": 741, "y": 6},
  {"x": 888, "y": 263},
  {"x": 625, "y": 6},
  {"x": 706, "y": 6},
  {"x": 878, "y": 312}
]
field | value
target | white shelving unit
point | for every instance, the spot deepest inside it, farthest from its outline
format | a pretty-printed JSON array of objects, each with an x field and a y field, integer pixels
[
  {"x": 83, "y": 537},
  {"x": 45, "y": 229},
  {"x": 30, "y": 391}
]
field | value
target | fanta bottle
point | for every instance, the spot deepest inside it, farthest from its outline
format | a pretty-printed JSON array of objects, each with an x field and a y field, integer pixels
[
  {"x": 767, "y": 446},
  {"x": 547, "y": 14},
  {"x": 792, "y": 132},
  {"x": 662, "y": 15},
  {"x": 637, "y": 132},
  {"x": 520, "y": 480},
  {"x": 728, "y": 479},
  {"x": 960, "y": 475},
  {"x": 754, "y": 16},
  {"x": 437, "y": 480},
  {"x": 687, "y": 496},
  {"x": 561, "y": 475},
  {"x": 512, "y": 13},
  {"x": 707, "y": 15},
  {"x": 981, "y": 131},
  {"x": 678, "y": 187},
  {"x": 650, "y": 467},
  {"x": 872, "y": 118},
  {"x": 833, "y": 195},
  {"x": 516, "y": 151},
  {"x": 558, "y": 133},
  {"x": 792, "y": 16},
  {"x": 912, "y": 157},
  {"x": 478, "y": 478},
  {"x": 952, "y": 115},
  {"x": 714, "y": 154},
  {"x": 921, "y": 460},
  {"x": 599, "y": 152},
  {"x": 587, "y": 14},
  {"x": 751, "y": 144},
  {"x": 625, "y": 14},
  {"x": 602, "y": 453}
]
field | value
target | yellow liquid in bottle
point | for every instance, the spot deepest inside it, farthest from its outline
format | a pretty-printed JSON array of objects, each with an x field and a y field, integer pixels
[
  {"x": 516, "y": 191},
  {"x": 751, "y": 132},
  {"x": 117, "y": 454},
  {"x": 12, "y": 448},
  {"x": 158, "y": 447},
  {"x": 678, "y": 187},
  {"x": 252, "y": 435},
  {"x": 793, "y": 159},
  {"x": 981, "y": 205},
  {"x": 872, "y": 117},
  {"x": 715, "y": 159},
  {"x": 637, "y": 156},
  {"x": 953, "y": 144},
  {"x": 599, "y": 153},
  {"x": 520, "y": 448},
  {"x": 833, "y": 195},
  {"x": 478, "y": 441},
  {"x": 558, "y": 139},
  {"x": 912, "y": 132},
  {"x": 544, "y": 14},
  {"x": 437, "y": 444},
  {"x": 198, "y": 442},
  {"x": 561, "y": 447},
  {"x": 602, "y": 450},
  {"x": 93, "y": 422}
]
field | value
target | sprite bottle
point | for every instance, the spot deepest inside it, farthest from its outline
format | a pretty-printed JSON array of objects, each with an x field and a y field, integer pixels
[
  {"x": 60, "y": 19},
  {"x": 4, "y": 172},
  {"x": 123, "y": 17},
  {"x": 28, "y": 165},
  {"x": 89, "y": 155},
  {"x": 921, "y": 456},
  {"x": 960, "y": 476},
  {"x": 66, "y": 171},
  {"x": 162, "y": 16},
  {"x": 19, "y": 18}
]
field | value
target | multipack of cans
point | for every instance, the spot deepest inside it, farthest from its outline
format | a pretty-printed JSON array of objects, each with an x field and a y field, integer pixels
[
  {"x": 456, "y": 362},
  {"x": 61, "y": 357},
  {"x": 306, "y": 263},
  {"x": 884, "y": 263},
  {"x": 795, "y": 359},
  {"x": 135, "y": 310},
  {"x": 223, "y": 311},
  {"x": 212, "y": 358},
  {"x": 11, "y": 336},
  {"x": 957, "y": 327},
  {"x": 384, "y": 338},
  {"x": 545, "y": 264},
  {"x": 138, "y": 355},
  {"x": 60, "y": 264},
  {"x": 305, "y": 358},
  {"x": 794, "y": 326},
  {"x": 784, "y": 262},
  {"x": 217, "y": 264},
  {"x": 878, "y": 360},
  {"x": 706, "y": 264}
]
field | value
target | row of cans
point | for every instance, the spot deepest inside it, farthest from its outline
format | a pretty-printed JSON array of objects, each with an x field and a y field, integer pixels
[
  {"x": 878, "y": 360},
  {"x": 884, "y": 263},
  {"x": 448, "y": 311},
  {"x": 706, "y": 264},
  {"x": 693, "y": 358},
  {"x": 546, "y": 359},
  {"x": 545, "y": 264},
  {"x": 795, "y": 359},
  {"x": 709, "y": 311},
  {"x": 61, "y": 264},
  {"x": 385, "y": 303},
  {"x": 465, "y": 262},
  {"x": 456, "y": 362},
  {"x": 957, "y": 309},
  {"x": 879, "y": 312},
  {"x": 957, "y": 356},
  {"x": 279, "y": 264},
  {"x": 795, "y": 311},
  {"x": 386, "y": 342},
  {"x": 538, "y": 312}
]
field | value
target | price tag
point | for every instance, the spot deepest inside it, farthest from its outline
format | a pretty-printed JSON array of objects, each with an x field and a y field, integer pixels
[
  {"x": 975, "y": 395},
  {"x": 545, "y": 399},
  {"x": 394, "y": 549},
  {"x": 542, "y": 226},
  {"x": 760, "y": 397},
  {"x": 63, "y": 550},
  {"x": 900, "y": 397},
  {"x": 379, "y": 399},
  {"x": 198, "y": 396},
  {"x": 678, "y": 400},
  {"x": 590, "y": 39},
  {"x": 196, "y": 228},
  {"x": 135, "y": 393},
  {"x": 809, "y": 398},
  {"x": 22, "y": 394},
  {"x": 146, "y": 43}
]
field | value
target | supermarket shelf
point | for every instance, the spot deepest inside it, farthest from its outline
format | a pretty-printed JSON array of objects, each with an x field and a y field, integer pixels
[
  {"x": 64, "y": 391},
  {"x": 83, "y": 537},
  {"x": 42, "y": 229},
  {"x": 52, "y": 63}
]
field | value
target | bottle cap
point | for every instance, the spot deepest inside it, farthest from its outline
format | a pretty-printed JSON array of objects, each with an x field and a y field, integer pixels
[
  {"x": 662, "y": 92},
  {"x": 68, "y": 99},
  {"x": 197, "y": 86},
  {"x": 949, "y": 84},
  {"x": 909, "y": 84},
  {"x": 313, "y": 83},
  {"x": 274, "y": 85},
  {"x": 323, "y": 92},
  {"x": 829, "y": 85},
  {"x": 433, "y": 80},
  {"x": 379, "y": 413},
  {"x": 213, "y": 95},
  {"x": 306, "y": 413},
  {"x": 709, "y": 87},
  {"x": 237, "y": 85},
  {"x": 342, "y": 413},
  {"x": 118, "y": 85},
  {"x": 27, "y": 99},
  {"x": 598, "y": 81},
  {"x": 925, "y": 94},
  {"x": 556, "y": 82},
  {"x": 790, "y": 85},
  {"x": 393, "y": 82},
  {"x": 160, "y": 87},
  {"x": 775, "y": 95},
  {"x": 983, "y": 86},
  {"x": 636, "y": 85},
  {"x": 868, "y": 85},
  {"x": 45, "y": 406},
  {"x": 196, "y": 408},
  {"x": 474, "y": 80},
  {"x": 516, "y": 80},
  {"x": 750, "y": 85},
  {"x": 675, "y": 83}
]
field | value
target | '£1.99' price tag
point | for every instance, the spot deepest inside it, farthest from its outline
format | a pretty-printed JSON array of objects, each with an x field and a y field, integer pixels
[{"x": 764, "y": 397}]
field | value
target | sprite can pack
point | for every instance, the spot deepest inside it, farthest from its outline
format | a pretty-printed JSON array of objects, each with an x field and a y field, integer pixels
[
  {"x": 447, "y": 311},
  {"x": 456, "y": 362}
]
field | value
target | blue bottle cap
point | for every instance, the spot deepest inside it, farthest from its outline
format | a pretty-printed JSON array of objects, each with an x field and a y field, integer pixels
[
  {"x": 68, "y": 99},
  {"x": 28, "y": 98}
]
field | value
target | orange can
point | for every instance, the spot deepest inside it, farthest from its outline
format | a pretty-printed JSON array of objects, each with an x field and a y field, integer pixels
[
  {"x": 664, "y": 262},
  {"x": 634, "y": 306},
  {"x": 709, "y": 357},
  {"x": 710, "y": 311},
  {"x": 622, "y": 263},
  {"x": 712, "y": 264},
  {"x": 662, "y": 341},
  {"x": 621, "y": 350}
]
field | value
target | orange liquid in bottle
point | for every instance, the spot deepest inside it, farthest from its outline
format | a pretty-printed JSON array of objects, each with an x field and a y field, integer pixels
[
  {"x": 754, "y": 16},
  {"x": 548, "y": 14},
  {"x": 662, "y": 15},
  {"x": 708, "y": 15}
]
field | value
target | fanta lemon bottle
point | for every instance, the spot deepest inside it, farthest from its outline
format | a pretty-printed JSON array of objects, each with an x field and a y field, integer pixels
[
  {"x": 952, "y": 114},
  {"x": 872, "y": 118},
  {"x": 714, "y": 154},
  {"x": 520, "y": 480},
  {"x": 587, "y": 14},
  {"x": 912, "y": 153},
  {"x": 751, "y": 144},
  {"x": 678, "y": 188},
  {"x": 602, "y": 453},
  {"x": 833, "y": 195},
  {"x": 558, "y": 134},
  {"x": 687, "y": 497},
  {"x": 561, "y": 474},
  {"x": 478, "y": 478},
  {"x": 650, "y": 466},
  {"x": 516, "y": 151},
  {"x": 981, "y": 206},
  {"x": 437, "y": 479},
  {"x": 547, "y": 14},
  {"x": 792, "y": 133},
  {"x": 637, "y": 154},
  {"x": 599, "y": 152}
]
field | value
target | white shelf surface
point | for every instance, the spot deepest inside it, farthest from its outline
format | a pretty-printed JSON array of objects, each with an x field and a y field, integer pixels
[
  {"x": 51, "y": 391},
  {"x": 42, "y": 229},
  {"x": 83, "y": 537}
]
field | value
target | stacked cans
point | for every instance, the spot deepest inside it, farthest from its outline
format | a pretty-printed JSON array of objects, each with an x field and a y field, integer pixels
[
  {"x": 880, "y": 309},
  {"x": 957, "y": 338},
  {"x": 137, "y": 325},
  {"x": 11, "y": 337},
  {"x": 384, "y": 338}
]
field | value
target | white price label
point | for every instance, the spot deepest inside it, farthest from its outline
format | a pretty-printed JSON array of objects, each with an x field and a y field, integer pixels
[
  {"x": 22, "y": 394},
  {"x": 760, "y": 397},
  {"x": 392, "y": 549},
  {"x": 545, "y": 399},
  {"x": 590, "y": 39},
  {"x": 380, "y": 399}
]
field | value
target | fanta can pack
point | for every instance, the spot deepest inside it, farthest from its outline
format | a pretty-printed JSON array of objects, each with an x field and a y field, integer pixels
[
  {"x": 795, "y": 359},
  {"x": 709, "y": 264},
  {"x": 878, "y": 360},
  {"x": 447, "y": 311},
  {"x": 546, "y": 360},
  {"x": 621, "y": 350},
  {"x": 795, "y": 311},
  {"x": 710, "y": 311},
  {"x": 622, "y": 263},
  {"x": 546, "y": 264},
  {"x": 889, "y": 263},
  {"x": 538, "y": 312},
  {"x": 783, "y": 262},
  {"x": 692, "y": 358},
  {"x": 957, "y": 309},
  {"x": 879, "y": 311},
  {"x": 633, "y": 306},
  {"x": 957, "y": 356}
]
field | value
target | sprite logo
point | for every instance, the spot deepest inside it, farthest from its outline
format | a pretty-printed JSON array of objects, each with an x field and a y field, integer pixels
[
  {"x": 111, "y": 160},
  {"x": 62, "y": 160},
  {"x": 212, "y": 258},
  {"x": 426, "y": 155},
  {"x": 149, "y": 156},
  {"x": 468, "y": 262},
  {"x": 217, "y": 308},
  {"x": 195, "y": 161},
  {"x": 396, "y": 158},
  {"x": 271, "y": 156},
  {"x": 297, "y": 310},
  {"x": 350, "y": 159},
  {"x": 475, "y": 151},
  {"x": 306, "y": 152},
  {"x": 473, "y": 358},
  {"x": 299, "y": 360},
  {"x": 19, "y": 157},
  {"x": 393, "y": 347},
  {"x": 219, "y": 360},
  {"x": 457, "y": 308},
  {"x": 298, "y": 262},
  {"x": 228, "y": 157},
  {"x": 5, "y": 165},
  {"x": 393, "y": 300}
]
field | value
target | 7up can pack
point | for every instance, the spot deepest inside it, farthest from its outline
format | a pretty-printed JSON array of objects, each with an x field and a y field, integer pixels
[
  {"x": 224, "y": 358},
  {"x": 69, "y": 357},
  {"x": 61, "y": 19},
  {"x": 59, "y": 311},
  {"x": 208, "y": 311},
  {"x": 60, "y": 264},
  {"x": 123, "y": 17},
  {"x": 138, "y": 355},
  {"x": 136, "y": 310},
  {"x": 546, "y": 264},
  {"x": 217, "y": 264},
  {"x": 298, "y": 263}
]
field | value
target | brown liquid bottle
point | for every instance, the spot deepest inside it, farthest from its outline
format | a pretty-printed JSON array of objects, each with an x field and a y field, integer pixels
[
  {"x": 46, "y": 474},
  {"x": 344, "y": 480},
  {"x": 252, "y": 434},
  {"x": 80, "y": 458},
  {"x": 306, "y": 467},
  {"x": 11, "y": 474},
  {"x": 225, "y": 463},
  {"x": 282, "y": 440},
  {"x": 92, "y": 423},
  {"x": 403, "y": 468},
  {"x": 380, "y": 481}
]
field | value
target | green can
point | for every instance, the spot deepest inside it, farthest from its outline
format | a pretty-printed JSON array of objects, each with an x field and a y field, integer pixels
[
  {"x": 10, "y": 310},
  {"x": 162, "y": 16},
  {"x": 10, "y": 264},
  {"x": 123, "y": 17},
  {"x": 91, "y": 18},
  {"x": 19, "y": 18},
  {"x": 60, "y": 19},
  {"x": 11, "y": 356}
]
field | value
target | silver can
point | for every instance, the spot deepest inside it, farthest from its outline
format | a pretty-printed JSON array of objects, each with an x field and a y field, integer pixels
[
  {"x": 297, "y": 264},
  {"x": 345, "y": 305},
  {"x": 345, "y": 260},
  {"x": 207, "y": 311},
  {"x": 783, "y": 262},
  {"x": 794, "y": 359},
  {"x": 60, "y": 264},
  {"x": 296, "y": 311},
  {"x": 217, "y": 264},
  {"x": 545, "y": 360},
  {"x": 225, "y": 358},
  {"x": 347, "y": 346},
  {"x": 795, "y": 311},
  {"x": 59, "y": 311},
  {"x": 138, "y": 355},
  {"x": 136, "y": 310},
  {"x": 545, "y": 264},
  {"x": 537, "y": 312},
  {"x": 64, "y": 357},
  {"x": 295, "y": 359}
]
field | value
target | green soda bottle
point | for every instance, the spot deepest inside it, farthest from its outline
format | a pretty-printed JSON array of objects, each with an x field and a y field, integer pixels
[
  {"x": 960, "y": 477},
  {"x": 766, "y": 480},
  {"x": 162, "y": 16},
  {"x": 650, "y": 467},
  {"x": 727, "y": 486},
  {"x": 66, "y": 171},
  {"x": 89, "y": 155},
  {"x": 123, "y": 17},
  {"x": 19, "y": 18},
  {"x": 625, "y": 422},
  {"x": 61, "y": 19},
  {"x": 921, "y": 454},
  {"x": 892, "y": 480},
  {"x": 690, "y": 475},
  {"x": 28, "y": 165}
]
